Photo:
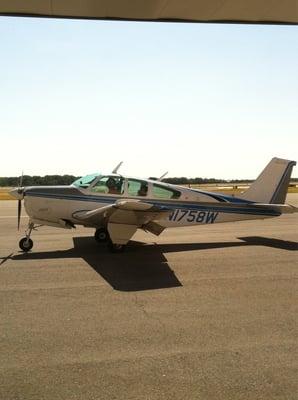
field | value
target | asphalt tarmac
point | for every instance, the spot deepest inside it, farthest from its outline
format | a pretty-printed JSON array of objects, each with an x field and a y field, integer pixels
[{"x": 198, "y": 313}]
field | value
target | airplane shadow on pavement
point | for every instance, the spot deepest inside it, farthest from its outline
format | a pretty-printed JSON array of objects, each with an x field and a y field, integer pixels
[{"x": 142, "y": 266}]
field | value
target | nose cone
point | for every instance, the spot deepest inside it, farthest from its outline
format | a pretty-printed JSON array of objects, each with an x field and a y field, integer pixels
[{"x": 17, "y": 193}]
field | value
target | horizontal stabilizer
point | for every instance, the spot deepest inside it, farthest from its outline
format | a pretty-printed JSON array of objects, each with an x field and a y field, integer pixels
[{"x": 282, "y": 208}]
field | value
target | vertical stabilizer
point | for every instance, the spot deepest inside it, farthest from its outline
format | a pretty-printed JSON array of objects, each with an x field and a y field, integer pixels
[{"x": 272, "y": 184}]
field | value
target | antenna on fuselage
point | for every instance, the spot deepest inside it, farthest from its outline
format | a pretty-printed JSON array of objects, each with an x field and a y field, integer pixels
[
  {"x": 166, "y": 173},
  {"x": 115, "y": 170}
]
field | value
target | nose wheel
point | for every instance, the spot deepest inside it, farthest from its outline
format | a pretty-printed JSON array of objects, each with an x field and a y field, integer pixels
[{"x": 26, "y": 243}]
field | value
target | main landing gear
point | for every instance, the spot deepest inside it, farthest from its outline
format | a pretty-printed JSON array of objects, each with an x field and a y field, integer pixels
[
  {"x": 26, "y": 243},
  {"x": 102, "y": 236},
  {"x": 116, "y": 248}
]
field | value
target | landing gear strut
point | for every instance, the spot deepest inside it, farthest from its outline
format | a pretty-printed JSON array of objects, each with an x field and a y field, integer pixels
[{"x": 26, "y": 243}]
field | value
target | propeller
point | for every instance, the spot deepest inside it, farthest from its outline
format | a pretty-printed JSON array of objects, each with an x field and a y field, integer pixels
[
  {"x": 19, "y": 213},
  {"x": 20, "y": 192}
]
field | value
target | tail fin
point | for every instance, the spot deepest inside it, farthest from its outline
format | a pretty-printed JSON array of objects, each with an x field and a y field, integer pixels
[{"x": 272, "y": 184}]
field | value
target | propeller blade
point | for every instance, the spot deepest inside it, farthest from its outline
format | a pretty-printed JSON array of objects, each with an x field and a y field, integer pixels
[
  {"x": 21, "y": 180},
  {"x": 19, "y": 212}
]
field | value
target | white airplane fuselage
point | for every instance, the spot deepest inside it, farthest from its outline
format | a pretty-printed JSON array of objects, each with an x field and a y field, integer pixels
[{"x": 55, "y": 205}]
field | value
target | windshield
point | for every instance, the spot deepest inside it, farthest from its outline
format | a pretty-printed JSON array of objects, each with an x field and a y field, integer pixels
[{"x": 85, "y": 181}]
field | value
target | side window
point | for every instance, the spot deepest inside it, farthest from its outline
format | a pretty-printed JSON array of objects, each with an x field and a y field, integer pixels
[
  {"x": 162, "y": 192},
  {"x": 109, "y": 185},
  {"x": 137, "y": 187}
]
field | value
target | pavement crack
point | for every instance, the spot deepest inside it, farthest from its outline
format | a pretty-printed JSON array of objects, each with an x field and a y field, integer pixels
[
  {"x": 141, "y": 306},
  {"x": 153, "y": 317}
]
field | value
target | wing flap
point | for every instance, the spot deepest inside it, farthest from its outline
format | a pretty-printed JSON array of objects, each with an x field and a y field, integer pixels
[{"x": 154, "y": 227}]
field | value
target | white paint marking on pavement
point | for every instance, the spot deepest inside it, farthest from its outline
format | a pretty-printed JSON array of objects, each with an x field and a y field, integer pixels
[{"x": 13, "y": 216}]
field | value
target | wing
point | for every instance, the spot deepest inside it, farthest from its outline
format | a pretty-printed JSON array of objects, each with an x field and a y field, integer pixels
[{"x": 124, "y": 217}]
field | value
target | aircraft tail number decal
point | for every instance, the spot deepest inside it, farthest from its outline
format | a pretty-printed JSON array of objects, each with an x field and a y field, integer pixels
[{"x": 199, "y": 217}]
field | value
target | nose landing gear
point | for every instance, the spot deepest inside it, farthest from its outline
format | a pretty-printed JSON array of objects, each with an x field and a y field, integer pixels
[{"x": 26, "y": 243}]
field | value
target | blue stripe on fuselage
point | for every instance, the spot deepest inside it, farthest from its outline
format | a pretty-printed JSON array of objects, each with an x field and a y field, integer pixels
[{"x": 223, "y": 197}]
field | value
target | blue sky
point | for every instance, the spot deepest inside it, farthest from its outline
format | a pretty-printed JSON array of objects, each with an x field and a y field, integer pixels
[{"x": 192, "y": 99}]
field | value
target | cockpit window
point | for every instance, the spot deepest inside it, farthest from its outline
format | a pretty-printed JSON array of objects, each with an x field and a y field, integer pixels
[
  {"x": 109, "y": 185},
  {"x": 85, "y": 181},
  {"x": 137, "y": 187},
  {"x": 162, "y": 192}
]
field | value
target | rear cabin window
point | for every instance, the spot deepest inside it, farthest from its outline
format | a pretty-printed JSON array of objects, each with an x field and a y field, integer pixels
[
  {"x": 137, "y": 187},
  {"x": 162, "y": 192}
]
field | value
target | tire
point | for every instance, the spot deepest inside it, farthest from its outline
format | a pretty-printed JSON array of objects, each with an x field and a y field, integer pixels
[
  {"x": 101, "y": 235},
  {"x": 26, "y": 244},
  {"x": 116, "y": 248}
]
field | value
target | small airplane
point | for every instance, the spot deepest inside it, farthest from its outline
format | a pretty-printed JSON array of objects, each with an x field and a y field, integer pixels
[{"x": 116, "y": 206}]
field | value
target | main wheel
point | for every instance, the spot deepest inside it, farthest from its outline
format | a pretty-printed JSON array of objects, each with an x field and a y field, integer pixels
[
  {"x": 101, "y": 235},
  {"x": 26, "y": 244},
  {"x": 116, "y": 248}
]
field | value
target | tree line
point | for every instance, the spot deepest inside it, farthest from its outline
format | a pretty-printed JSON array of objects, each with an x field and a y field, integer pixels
[
  {"x": 68, "y": 179},
  {"x": 38, "y": 180},
  {"x": 200, "y": 181}
]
